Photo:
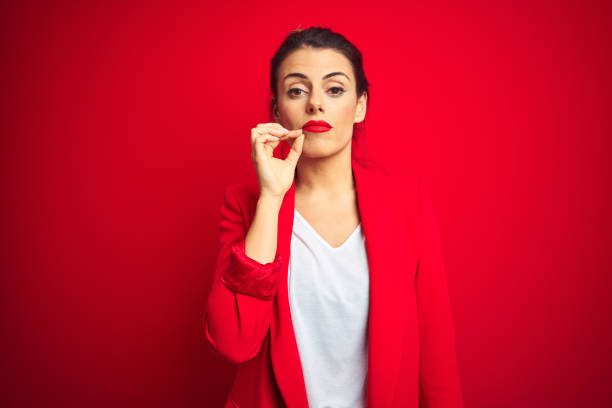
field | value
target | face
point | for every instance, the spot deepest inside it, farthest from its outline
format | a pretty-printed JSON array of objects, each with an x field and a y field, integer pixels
[{"x": 319, "y": 84}]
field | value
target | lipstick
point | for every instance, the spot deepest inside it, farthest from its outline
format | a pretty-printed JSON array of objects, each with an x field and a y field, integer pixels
[{"x": 317, "y": 126}]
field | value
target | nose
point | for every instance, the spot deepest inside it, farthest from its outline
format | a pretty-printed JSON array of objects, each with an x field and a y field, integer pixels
[{"x": 315, "y": 103}]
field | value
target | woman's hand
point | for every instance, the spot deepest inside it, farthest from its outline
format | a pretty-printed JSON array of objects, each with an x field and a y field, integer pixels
[{"x": 275, "y": 175}]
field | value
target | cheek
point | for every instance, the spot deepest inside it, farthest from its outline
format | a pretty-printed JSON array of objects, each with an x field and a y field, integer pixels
[
  {"x": 290, "y": 114},
  {"x": 348, "y": 107},
  {"x": 348, "y": 112},
  {"x": 287, "y": 109}
]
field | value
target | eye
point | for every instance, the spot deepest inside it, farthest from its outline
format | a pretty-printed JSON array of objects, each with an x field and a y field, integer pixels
[
  {"x": 339, "y": 90},
  {"x": 291, "y": 93}
]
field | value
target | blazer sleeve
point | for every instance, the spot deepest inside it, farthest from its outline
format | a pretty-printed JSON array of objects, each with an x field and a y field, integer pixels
[
  {"x": 240, "y": 303},
  {"x": 438, "y": 371}
]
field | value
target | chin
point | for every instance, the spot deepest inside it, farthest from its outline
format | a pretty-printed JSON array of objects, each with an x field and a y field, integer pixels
[
  {"x": 319, "y": 151},
  {"x": 314, "y": 153}
]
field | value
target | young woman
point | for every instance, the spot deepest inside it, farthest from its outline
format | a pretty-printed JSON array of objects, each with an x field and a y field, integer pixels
[{"x": 329, "y": 287}]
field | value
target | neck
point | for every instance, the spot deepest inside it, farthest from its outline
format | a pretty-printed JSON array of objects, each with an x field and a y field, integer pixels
[{"x": 327, "y": 176}]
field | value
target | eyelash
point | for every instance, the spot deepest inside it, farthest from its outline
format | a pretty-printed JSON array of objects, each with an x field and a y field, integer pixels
[{"x": 339, "y": 93}]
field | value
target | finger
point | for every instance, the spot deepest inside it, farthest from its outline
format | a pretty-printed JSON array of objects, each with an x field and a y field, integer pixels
[
  {"x": 260, "y": 131},
  {"x": 273, "y": 126},
  {"x": 279, "y": 131},
  {"x": 265, "y": 138},
  {"x": 296, "y": 150},
  {"x": 256, "y": 132},
  {"x": 269, "y": 126},
  {"x": 292, "y": 134},
  {"x": 265, "y": 144}
]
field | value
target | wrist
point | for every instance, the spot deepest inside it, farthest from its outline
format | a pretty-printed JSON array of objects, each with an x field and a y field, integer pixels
[{"x": 270, "y": 201}]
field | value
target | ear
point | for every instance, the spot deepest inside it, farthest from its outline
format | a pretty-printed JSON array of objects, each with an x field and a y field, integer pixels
[
  {"x": 275, "y": 112},
  {"x": 360, "y": 112}
]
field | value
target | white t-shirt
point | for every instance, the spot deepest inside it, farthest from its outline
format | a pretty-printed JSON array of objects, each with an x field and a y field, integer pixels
[{"x": 329, "y": 302}]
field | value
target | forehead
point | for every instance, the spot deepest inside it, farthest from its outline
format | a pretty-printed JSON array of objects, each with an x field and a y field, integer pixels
[{"x": 314, "y": 63}]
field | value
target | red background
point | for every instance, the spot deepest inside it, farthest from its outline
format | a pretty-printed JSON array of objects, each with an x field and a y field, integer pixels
[{"x": 122, "y": 123}]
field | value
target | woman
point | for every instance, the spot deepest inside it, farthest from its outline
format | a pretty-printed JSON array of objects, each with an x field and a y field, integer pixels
[{"x": 329, "y": 288}]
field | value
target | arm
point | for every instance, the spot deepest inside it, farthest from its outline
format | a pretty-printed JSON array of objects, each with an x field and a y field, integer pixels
[
  {"x": 439, "y": 377},
  {"x": 239, "y": 308}
]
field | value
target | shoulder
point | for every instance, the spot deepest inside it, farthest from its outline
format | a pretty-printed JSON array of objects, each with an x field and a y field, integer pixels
[
  {"x": 242, "y": 192},
  {"x": 407, "y": 188},
  {"x": 400, "y": 182},
  {"x": 244, "y": 195},
  {"x": 394, "y": 175}
]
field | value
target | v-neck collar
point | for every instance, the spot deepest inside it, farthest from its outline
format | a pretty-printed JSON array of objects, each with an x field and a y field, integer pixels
[{"x": 321, "y": 239}]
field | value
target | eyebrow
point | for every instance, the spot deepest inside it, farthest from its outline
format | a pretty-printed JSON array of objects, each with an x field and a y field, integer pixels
[{"x": 300, "y": 75}]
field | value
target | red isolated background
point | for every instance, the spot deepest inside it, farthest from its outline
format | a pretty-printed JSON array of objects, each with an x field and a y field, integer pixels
[{"x": 122, "y": 123}]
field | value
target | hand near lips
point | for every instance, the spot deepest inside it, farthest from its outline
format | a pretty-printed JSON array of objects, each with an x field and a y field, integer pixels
[{"x": 275, "y": 175}]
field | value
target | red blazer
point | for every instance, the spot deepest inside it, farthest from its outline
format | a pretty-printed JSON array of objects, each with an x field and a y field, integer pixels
[{"x": 411, "y": 347}]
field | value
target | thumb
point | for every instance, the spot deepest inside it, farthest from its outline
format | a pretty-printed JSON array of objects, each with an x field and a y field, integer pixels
[{"x": 296, "y": 149}]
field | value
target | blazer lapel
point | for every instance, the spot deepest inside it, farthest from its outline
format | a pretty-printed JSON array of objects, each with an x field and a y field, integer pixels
[
  {"x": 382, "y": 221},
  {"x": 384, "y": 224},
  {"x": 283, "y": 348}
]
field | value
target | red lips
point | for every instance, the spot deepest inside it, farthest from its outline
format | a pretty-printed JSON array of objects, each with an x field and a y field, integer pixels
[{"x": 316, "y": 126}]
